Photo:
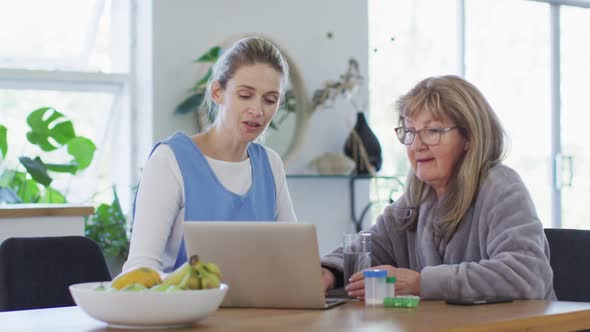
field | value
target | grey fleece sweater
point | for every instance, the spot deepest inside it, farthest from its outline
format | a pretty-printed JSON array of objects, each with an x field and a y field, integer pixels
[{"x": 499, "y": 249}]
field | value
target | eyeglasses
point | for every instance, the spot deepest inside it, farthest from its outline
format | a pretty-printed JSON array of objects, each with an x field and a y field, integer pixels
[{"x": 428, "y": 136}]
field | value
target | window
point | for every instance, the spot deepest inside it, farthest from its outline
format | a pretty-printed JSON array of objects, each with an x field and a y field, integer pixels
[
  {"x": 408, "y": 41},
  {"x": 72, "y": 55},
  {"x": 575, "y": 67},
  {"x": 508, "y": 59},
  {"x": 529, "y": 58}
]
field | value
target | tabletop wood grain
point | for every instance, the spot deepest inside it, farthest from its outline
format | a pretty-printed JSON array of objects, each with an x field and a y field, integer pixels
[{"x": 353, "y": 316}]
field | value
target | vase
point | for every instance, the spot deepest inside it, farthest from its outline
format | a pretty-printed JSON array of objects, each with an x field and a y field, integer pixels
[{"x": 363, "y": 147}]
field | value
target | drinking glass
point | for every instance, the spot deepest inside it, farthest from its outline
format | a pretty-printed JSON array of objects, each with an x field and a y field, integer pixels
[{"x": 356, "y": 248}]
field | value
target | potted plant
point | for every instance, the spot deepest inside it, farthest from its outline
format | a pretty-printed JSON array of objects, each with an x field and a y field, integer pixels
[
  {"x": 108, "y": 227},
  {"x": 51, "y": 131}
]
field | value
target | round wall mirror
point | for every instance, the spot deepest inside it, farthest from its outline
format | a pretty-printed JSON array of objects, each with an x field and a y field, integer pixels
[{"x": 288, "y": 129}]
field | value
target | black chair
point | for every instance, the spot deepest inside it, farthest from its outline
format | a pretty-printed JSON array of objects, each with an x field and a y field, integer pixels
[
  {"x": 570, "y": 250},
  {"x": 36, "y": 272}
]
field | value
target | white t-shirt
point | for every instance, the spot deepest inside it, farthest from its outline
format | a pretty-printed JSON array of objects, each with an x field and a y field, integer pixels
[{"x": 159, "y": 205}]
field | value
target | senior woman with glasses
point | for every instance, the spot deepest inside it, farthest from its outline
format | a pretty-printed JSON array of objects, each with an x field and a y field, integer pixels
[{"x": 466, "y": 226}]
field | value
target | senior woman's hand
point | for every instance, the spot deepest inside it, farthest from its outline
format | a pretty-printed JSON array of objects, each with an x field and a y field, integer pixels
[
  {"x": 328, "y": 278},
  {"x": 407, "y": 283}
]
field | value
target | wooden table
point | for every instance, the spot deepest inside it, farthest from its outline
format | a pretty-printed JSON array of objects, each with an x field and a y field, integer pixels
[{"x": 352, "y": 316}]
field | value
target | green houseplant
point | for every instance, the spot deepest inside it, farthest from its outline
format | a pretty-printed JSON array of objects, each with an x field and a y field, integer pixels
[
  {"x": 52, "y": 131},
  {"x": 108, "y": 227}
]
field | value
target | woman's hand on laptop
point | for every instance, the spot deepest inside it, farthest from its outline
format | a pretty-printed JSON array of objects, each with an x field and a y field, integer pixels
[
  {"x": 328, "y": 278},
  {"x": 407, "y": 283}
]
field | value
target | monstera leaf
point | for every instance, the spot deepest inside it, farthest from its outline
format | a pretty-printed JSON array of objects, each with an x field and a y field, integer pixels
[
  {"x": 46, "y": 123},
  {"x": 71, "y": 168},
  {"x": 50, "y": 130},
  {"x": 52, "y": 196},
  {"x": 37, "y": 169},
  {"x": 82, "y": 149},
  {"x": 29, "y": 191},
  {"x": 3, "y": 141},
  {"x": 26, "y": 189}
]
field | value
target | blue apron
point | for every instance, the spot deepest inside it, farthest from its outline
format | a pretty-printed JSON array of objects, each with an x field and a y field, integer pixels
[{"x": 206, "y": 199}]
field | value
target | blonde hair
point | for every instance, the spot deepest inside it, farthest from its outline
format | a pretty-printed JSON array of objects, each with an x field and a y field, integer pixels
[
  {"x": 246, "y": 51},
  {"x": 460, "y": 101}
]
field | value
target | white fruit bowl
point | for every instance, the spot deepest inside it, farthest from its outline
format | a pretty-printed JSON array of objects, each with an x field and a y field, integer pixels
[{"x": 145, "y": 308}]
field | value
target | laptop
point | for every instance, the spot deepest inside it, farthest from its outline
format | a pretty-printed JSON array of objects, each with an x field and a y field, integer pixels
[{"x": 265, "y": 264}]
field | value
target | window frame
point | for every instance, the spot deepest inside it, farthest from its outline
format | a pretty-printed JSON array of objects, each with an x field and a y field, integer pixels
[
  {"x": 555, "y": 69},
  {"x": 119, "y": 84}
]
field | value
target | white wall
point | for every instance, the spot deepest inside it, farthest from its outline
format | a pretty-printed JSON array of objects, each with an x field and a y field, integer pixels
[
  {"x": 184, "y": 29},
  {"x": 325, "y": 202}
]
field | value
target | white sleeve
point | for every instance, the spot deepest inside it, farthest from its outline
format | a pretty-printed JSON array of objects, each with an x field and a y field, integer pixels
[
  {"x": 158, "y": 203},
  {"x": 284, "y": 205}
]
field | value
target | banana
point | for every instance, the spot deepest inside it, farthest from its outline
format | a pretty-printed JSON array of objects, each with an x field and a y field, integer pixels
[
  {"x": 160, "y": 288},
  {"x": 213, "y": 268},
  {"x": 165, "y": 288},
  {"x": 145, "y": 276},
  {"x": 209, "y": 274},
  {"x": 134, "y": 288},
  {"x": 173, "y": 288},
  {"x": 184, "y": 284},
  {"x": 177, "y": 276},
  {"x": 195, "y": 262},
  {"x": 208, "y": 280},
  {"x": 193, "y": 274},
  {"x": 194, "y": 281}
]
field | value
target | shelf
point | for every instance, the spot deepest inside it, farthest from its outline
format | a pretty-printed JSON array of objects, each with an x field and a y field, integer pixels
[
  {"x": 357, "y": 221},
  {"x": 357, "y": 177}
]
